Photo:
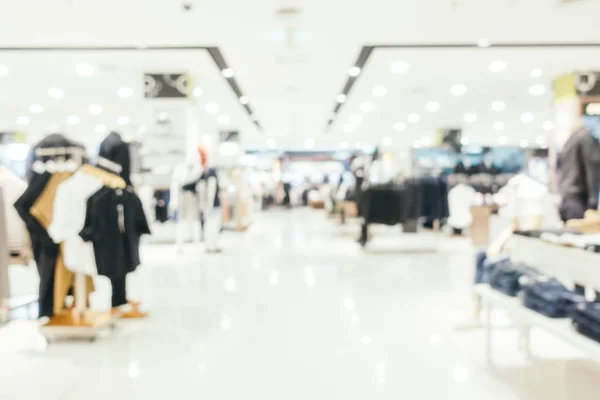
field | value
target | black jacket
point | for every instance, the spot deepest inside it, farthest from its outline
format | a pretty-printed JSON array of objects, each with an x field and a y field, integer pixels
[
  {"x": 113, "y": 148},
  {"x": 579, "y": 169}
]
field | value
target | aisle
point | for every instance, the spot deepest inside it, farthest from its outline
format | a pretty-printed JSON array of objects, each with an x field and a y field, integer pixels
[{"x": 290, "y": 311}]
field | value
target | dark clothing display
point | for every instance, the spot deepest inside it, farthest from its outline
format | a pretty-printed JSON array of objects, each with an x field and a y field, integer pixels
[
  {"x": 113, "y": 148},
  {"x": 586, "y": 319},
  {"x": 552, "y": 299},
  {"x": 212, "y": 173},
  {"x": 119, "y": 291},
  {"x": 579, "y": 173},
  {"x": 114, "y": 223},
  {"x": 434, "y": 198},
  {"x": 161, "y": 207},
  {"x": 53, "y": 141}
]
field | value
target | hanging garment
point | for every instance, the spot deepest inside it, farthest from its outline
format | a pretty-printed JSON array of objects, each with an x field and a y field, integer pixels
[
  {"x": 114, "y": 223},
  {"x": 460, "y": 200},
  {"x": 70, "y": 204},
  {"x": 53, "y": 141},
  {"x": 114, "y": 149},
  {"x": 43, "y": 211},
  {"x": 4, "y": 259},
  {"x": 12, "y": 188},
  {"x": 206, "y": 175}
]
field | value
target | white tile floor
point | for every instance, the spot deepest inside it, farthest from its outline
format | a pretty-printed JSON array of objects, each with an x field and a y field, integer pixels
[{"x": 295, "y": 310}]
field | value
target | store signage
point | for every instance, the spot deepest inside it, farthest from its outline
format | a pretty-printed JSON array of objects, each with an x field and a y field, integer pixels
[
  {"x": 229, "y": 136},
  {"x": 166, "y": 86}
]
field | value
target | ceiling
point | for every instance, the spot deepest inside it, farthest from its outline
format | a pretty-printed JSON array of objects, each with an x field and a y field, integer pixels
[{"x": 293, "y": 67}]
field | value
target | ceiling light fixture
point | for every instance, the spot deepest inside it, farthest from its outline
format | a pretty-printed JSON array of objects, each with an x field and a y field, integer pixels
[
  {"x": 379, "y": 91},
  {"x": 548, "y": 125},
  {"x": 526, "y": 117},
  {"x": 125, "y": 92},
  {"x": 223, "y": 119},
  {"x": 95, "y": 109},
  {"x": 458, "y": 90},
  {"x": 366, "y": 107},
  {"x": 73, "y": 120},
  {"x": 348, "y": 128},
  {"x": 502, "y": 140},
  {"x": 537, "y": 90},
  {"x": 497, "y": 66},
  {"x": 387, "y": 141},
  {"x": 498, "y": 106},
  {"x": 470, "y": 117},
  {"x": 426, "y": 141},
  {"x": 244, "y": 100},
  {"x": 432, "y": 106},
  {"x": 227, "y": 73},
  {"x": 399, "y": 126},
  {"x": 101, "y": 128},
  {"x": 84, "y": 69},
  {"x": 211, "y": 108},
  {"x": 162, "y": 116},
  {"x": 36, "y": 109},
  {"x": 341, "y": 98},
  {"x": 309, "y": 143},
  {"x": 524, "y": 143},
  {"x": 197, "y": 92},
  {"x": 142, "y": 129},
  {"x": 356, "y": 119},
  {"x": 499, "y": 126},
  {"x": 344, "y": 145},
  {"x": 23, "y": 120},
  {"x": 484, "y": 42},
  {"x": 123, "y": 120},
  {"x": 56, "y": 93},
  {"x": 4, "y": 70},
  {"x": 354, "y": 71},
  {"x": 271, "y": 143},
  {"x": 399, "y": 67},
  {"x": 413, "y": 118},
  {"x": 537, "y": 73}
]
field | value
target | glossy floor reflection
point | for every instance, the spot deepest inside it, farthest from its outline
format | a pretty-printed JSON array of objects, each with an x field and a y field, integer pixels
[{"x": 294, "y": 309}]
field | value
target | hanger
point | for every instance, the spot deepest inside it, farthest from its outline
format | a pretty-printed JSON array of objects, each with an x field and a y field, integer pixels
[
  {"x": 111, "y": 165},
  {"x": 109, "y": 179}
]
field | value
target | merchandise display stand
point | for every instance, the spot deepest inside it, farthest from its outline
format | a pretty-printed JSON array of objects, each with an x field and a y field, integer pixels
[{"x": 567, "y": 264}]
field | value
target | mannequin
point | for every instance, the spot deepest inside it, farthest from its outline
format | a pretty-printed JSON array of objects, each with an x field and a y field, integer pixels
[
  {"x": 210, "y": 204},
  {"x": 184, "y": 201}
]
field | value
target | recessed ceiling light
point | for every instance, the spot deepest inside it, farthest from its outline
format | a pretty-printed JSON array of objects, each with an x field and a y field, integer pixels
[
  {"x": 211, "y": 108},
  {"x": 498, "y": 105},
  {"x": 344, "y": 145},
  {"x": 223, "y": 119},
  {"x": 244, "y": 100},
  {"x": 56, "y": 93},
  {"x": 502, "y": 140},
  {"x": 101, "y": 128},
  {"x": 356, "y": 118},
  {"x": 458, "y": 90},
  {"x": 162, "y": 116},
  {"x": 271, "y": 143},
  {"x": 413, "y": 118},
  {"x": 540, "y": 140},
  {"x": 548, "y": 125},
  {"x": 123, "y": 120},
  {"x": 537, "y": 73},
  {"x": 125, "y": 92},
  {"x": 366, "y": 107},
  {"x": 95, "y": 109},
  {"x": 197, "y": 92},
  {"x": 432, "y": 106},
  {"x": 142, "y": 129},
  {"x": 341, "y": 98},
  {"x": 484, "y": 42},
  {"x": 227, "y": 73},
  {"x": 23, "y": 120},
  {"x": 309, "y": 143},
  {"x": 470, "y": 117},
  {"x": 537, "y": 90},
  {"x": 526, "y": 117},
  {"x": 354, "y": 71},
  {"x": 36, "y": 109},
  {"x": 524, "y": 143},
  {"x": 348, "y": 128},
  {"x": 4, "y": 70},
  {"x": 387, "y": 141},
  {"x": 497, "y": 66},
  {"x": 426, "y": 141},
  {"x": 399, "y": 67},
  {"x": 464, "y": 141},
  {"x": 73, "y": 120},
  {"x": 84, "y": 69},
  {"x": 399, "y": 126},
  {"x": 379, "y": 91},
  {"x": 499, "y": 126}
]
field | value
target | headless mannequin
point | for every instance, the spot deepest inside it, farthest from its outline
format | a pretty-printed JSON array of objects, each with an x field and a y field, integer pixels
[
  {"x": 183, "y": 199},
  {"x": 207, "y": 189}
]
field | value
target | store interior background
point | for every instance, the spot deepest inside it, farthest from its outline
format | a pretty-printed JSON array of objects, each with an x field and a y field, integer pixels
[{"x": 293, "y": 306}]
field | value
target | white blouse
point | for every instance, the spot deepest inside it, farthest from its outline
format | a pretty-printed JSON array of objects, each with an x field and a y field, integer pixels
[{"x": 12, "y": 188}]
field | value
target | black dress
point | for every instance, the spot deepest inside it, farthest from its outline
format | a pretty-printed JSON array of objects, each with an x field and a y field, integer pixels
[{"x": 113, "y": 148}]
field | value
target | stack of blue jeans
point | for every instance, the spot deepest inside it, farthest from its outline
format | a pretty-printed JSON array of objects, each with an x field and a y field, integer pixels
[
  {"x": 551, "y": 299},
  {"x": 586, "y": 319},
  {"x": 506, "y": 277}
]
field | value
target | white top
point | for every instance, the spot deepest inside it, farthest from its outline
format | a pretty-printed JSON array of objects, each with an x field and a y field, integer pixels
[
  {"x": 460, "y": 200},
  {"x": 70, "y": 205},
  {"x": 12, "y": 188},
  {"x": 182, "y": 175}
]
